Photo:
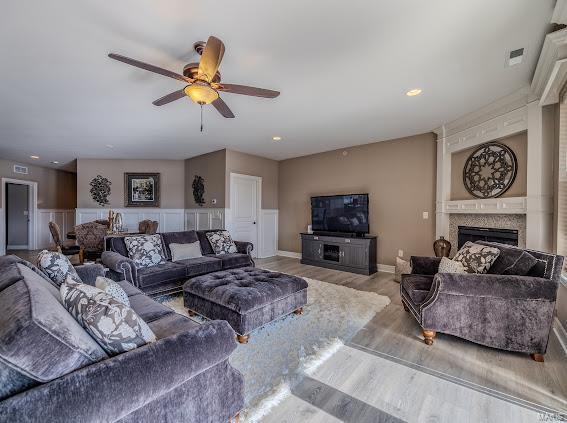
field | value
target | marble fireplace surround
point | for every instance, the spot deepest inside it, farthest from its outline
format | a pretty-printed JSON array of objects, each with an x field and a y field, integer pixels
[{"x": 498, "y": 221}]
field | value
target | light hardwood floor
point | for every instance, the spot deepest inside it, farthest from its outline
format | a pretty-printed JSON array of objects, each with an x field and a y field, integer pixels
[{"x": 394, "y": 337}]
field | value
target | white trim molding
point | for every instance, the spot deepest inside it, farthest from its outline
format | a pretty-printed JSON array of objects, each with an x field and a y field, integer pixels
[
  {"x": 268, "y": 233},
  {"x": 552, "y": 51},
  {"x": 32, "y": 213},
  {"x": 560, "y": 13},
  {"x": 65, "y": 218},
  {"x": 205, "y": 218},
  {"x": 501, "y": 205},
  {"x": 386, "y": 268},
  {"x": 555, "y": 84},
  {"x": 291, "y": 254},
  {"x": 560, "y": 333},
  {"x": 170, "y": 220}
]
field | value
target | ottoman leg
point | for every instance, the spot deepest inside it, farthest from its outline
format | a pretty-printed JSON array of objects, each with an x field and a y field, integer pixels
[
  {"x": 243, "y": 339},
  {"x": 298, "y": 311},
  {"x": 191, "y": 312}
]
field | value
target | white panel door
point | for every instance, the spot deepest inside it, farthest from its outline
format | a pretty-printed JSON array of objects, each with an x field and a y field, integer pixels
[{"x": 244, "y": 207}]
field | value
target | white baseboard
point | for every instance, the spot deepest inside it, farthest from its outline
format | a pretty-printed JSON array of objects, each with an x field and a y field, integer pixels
[
  {"x": 289, "y": 254},
  {"x": 560, "y": 333},
  {"x": 386, "y": 268}
]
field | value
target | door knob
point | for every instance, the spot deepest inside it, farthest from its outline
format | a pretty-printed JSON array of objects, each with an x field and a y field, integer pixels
[{"x": 254, "y": 223}]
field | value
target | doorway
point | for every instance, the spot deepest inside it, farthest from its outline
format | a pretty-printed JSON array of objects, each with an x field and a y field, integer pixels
[
  {"x": 18, "y": 215},
  {"x": 245, "y": 200}
]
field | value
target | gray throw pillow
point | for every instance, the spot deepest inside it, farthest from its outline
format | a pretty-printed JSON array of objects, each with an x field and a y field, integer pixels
[
  {"x": 113, "y": 289},
  {"x": 116, "y": 327},
  {"x": 185, "y": 251},
  {"x": 56, "y": 266},
  {"x": 221, "y": 242},
  {"x": 402, "y": 266},
  {"x": 476, "y": 258},
  {"x": 145, "y": 250},
  {"x": 450, "y": 266},
  {"x": 511, "y": 261}
]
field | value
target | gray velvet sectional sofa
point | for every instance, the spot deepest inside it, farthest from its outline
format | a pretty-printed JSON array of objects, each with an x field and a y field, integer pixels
[
  {"x": 169, "y": 277},
  {"x": 51, "y": 370}
]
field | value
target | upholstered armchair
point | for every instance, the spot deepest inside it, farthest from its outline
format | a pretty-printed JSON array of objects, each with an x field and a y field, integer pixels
[
  {"x": 68, "y": 250},
  {"x": 505, "y": 311},
  {"x": 90, "y": 237},
  {"x": 148, "y": 227}
]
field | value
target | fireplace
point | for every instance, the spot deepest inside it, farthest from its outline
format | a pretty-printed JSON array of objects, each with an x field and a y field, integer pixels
[{"x": 472, "y": 233}]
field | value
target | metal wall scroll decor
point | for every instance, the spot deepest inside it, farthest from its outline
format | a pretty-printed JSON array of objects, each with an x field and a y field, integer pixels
[
  {"x": 100, "y": 190},
  {"x": 490, "y": 170},
  {"x": 198, "y": 190}
]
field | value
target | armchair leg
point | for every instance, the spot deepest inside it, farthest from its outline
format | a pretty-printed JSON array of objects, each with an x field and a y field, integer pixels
[
  {"x": 406, "y": 308},
  {"x": 82, "y": 255},
  {"x": 235, "y": 419},
  {"x": 537, "y": 357},
  {"x": 428, "y": 336}
]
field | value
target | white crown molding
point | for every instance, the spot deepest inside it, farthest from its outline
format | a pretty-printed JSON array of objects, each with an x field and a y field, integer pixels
[
  {"x": 554, "y": 49},
  {"x": 555, "y": 83},
  {"x": 560, "y": 13}
]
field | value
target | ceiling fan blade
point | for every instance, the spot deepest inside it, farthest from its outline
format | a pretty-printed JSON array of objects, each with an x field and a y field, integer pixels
[
  {"x": 245, "y": 90},
  {"x": 223, "y": 109},
  {"x": 149, "y": 67},
  {"x": 211, "y": 59},
  {"x": 176, "y": 95}
]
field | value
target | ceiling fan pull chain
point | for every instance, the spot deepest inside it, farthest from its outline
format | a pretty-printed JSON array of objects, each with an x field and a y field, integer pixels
[{"x": 201, "y": 117}]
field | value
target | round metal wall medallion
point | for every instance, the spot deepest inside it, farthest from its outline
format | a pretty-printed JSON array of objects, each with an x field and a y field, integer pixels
[{"x": 490, "y": 170}]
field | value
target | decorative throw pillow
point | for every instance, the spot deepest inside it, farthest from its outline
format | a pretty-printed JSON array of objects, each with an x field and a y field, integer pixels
[
  {"x": 221, "y": 242},
  {"x": 145, "y": 250},
  {"x": 450, "y": 266},
  {"x": 476, "y": 258},
  {"x": 112, "y": 289},
  {"x": 116, "y": 327},
  {"x": 56, "y": 266},
  {"x": 185, "y": 251},
  {"x": 402, "y": 266}
]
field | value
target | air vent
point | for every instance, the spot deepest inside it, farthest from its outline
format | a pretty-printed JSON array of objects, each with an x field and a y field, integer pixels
[
  {"x": 515, "y": 57},
  {"x": 21, "y": 169}
]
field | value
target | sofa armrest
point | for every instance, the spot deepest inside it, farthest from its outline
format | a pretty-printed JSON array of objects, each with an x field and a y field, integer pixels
[
  {"x": 244, "y": 247},
  {"x": 122, "y": 265},
  {"x": 424, "y": 265},
  {"x": 89, "y": 272},
  {"x": 111, "y": 389},
  {"x": 495, "y": 286}
]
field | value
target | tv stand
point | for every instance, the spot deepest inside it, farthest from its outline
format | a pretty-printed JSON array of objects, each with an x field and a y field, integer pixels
[{"x": 356, "y": 254}]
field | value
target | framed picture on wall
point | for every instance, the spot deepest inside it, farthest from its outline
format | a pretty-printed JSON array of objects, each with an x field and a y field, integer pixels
[{"x": 141, "y": 189}]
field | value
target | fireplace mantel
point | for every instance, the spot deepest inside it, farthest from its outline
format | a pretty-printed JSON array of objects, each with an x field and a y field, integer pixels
[{"x": 509, "y": 205}]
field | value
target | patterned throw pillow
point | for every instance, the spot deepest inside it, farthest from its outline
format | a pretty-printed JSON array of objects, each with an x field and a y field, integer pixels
[
  {"x": 402, "y": 266},
  {"x": 450, "y": 266},
  {"x": 221, "y": 242},
  {"x": 476, "y": 258},
  {"x": 56, "y": 266},
  {"x": 113, "y": 289},
  {"x": 145, "y": 250},
  {"x": 116, "y": 327}
]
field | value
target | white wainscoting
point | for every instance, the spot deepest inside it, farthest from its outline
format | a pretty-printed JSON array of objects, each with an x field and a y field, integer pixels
[
  {"x": 203, "y": 219},
  {"x": 64, "y": 218},
  {"x": 2, "y": 235},
  {"x": 268, "y": 236},
  {"x": 170, "y": 220}
]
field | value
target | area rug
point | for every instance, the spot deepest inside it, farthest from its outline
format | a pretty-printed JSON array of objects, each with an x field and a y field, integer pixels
[{"x": 280, "y": 354}]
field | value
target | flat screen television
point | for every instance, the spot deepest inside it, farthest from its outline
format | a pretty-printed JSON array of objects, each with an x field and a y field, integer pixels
[{"x": 340, "y": 213}]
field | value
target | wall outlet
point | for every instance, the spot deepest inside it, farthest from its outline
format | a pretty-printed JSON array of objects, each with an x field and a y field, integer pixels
[
  {"x": 214, "y": 201},
  {"x": 425, "y": 215},
  {"x": 400, "y": 253}
]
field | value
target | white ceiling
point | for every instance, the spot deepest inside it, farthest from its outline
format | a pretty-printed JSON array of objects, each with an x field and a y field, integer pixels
[{"x": 342, "y": 68}]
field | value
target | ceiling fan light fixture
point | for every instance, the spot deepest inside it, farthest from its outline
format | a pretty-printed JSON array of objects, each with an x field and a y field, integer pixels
[
  {"x": 201, "y": 93},
  {"x": 414, "y": 92}
]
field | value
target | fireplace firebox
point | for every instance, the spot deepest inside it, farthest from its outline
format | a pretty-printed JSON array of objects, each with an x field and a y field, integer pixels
[{"x": 503, "y": 236}]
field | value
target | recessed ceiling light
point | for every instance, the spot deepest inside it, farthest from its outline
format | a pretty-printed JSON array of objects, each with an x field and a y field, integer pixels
[
  {"x": 34, "y": 157},
  {"x": 276, "y": 138},
  {"x": 414, "y": 92},
  {"x": 109, "y": 145},
  {"x": 55, "y": 162}
]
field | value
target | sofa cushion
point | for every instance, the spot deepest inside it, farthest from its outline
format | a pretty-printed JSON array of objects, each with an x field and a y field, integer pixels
[
  {"x": 171, "y": 324},
  {"x": 130, "y": 289},
  {"x": 9, "y": 276},
  {"x": 148, "y": 309},
  {"x": 39, "y": 339},
  {"x": 115, "y": 326},
  {"x": 165, "y": 272},
  {"x": 57, "y": 266},
  {"x": 230, "y": 261},
  {"x": 201, "y": 265},
  {"x": 476, "y": 258},
  {"x": 185, "y": 251},
  {"x": 205, "y": 244},
  {"x": 221, "y": 242},
  {"x": 145, "y": 250},
  {"x": 181, "y": 237},
  {"x": 511, "y": 261},
  {"x": 417, "y": 287}
]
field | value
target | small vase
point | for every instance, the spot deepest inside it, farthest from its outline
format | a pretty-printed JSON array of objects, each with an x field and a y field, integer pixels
[{"x": 442, "y": 247}]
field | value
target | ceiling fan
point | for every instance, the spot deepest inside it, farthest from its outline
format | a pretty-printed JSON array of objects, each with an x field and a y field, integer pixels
[{"x": 203, "y": 80}]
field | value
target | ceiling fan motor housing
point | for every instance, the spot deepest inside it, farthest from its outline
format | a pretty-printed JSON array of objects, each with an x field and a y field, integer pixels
[{"x": 191, "y": 70}]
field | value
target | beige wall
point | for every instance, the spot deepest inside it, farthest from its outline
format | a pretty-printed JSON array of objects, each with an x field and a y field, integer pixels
[
  {"x": 172, "y": 180},
  {"x": 212, "y": 167},
  {"x": 56, "y": 189},
  {"x": 399, "y": 175},
  {"x": 518, "y": 144},
  {"x": 248, "y": 164}
]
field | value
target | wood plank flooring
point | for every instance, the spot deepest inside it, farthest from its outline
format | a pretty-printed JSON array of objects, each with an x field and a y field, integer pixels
[{"x": 394, "y": 337}]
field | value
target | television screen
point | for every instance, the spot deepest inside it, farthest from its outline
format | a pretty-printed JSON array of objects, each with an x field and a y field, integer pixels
[{"x": 340, "y": 213}]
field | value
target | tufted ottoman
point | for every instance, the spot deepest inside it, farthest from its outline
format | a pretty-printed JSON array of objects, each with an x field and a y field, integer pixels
[{"x": 247, "y": 298}]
